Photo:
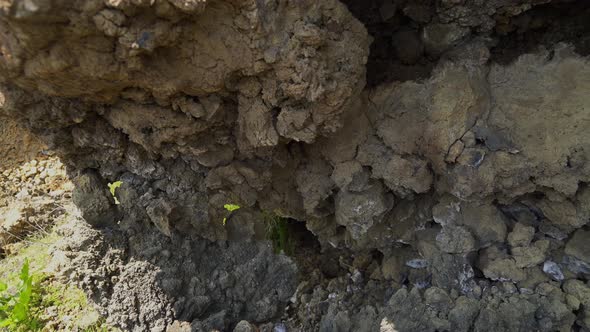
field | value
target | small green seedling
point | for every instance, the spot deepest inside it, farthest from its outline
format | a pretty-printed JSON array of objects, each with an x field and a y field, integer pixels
[
  {"x": 230, "y": 208},
  {"x": 112, "y": 187},
  {"x": 15, "y": 309}
]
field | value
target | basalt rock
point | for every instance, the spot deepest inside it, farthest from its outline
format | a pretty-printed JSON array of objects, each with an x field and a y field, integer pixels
[{"x": 415, "y": 133}]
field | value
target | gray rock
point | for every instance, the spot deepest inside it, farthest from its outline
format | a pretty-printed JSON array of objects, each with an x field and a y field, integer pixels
[
  {"x": 94, "y": 200},
  {"x": 244, "y": 326},
  {"x": 455, "y": 240},
  {"x": 358, "y": 211},
  {"x": 553, "y": 270},
  {"x": 579, "y": 246},
  {"x": 521, "y": 235}
]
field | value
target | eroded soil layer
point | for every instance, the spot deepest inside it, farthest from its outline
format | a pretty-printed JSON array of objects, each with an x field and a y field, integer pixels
[{"x": 436, "y": 151}]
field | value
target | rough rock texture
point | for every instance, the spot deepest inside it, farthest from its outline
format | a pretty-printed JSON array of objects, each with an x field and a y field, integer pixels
[
  {"x": 150, "y": 282},
  {"x": 189, "y": 105},
  {"x": 32, "y": 198},
  {"x": 18, "y": 145},
  {"x": 457, "y": 179}
]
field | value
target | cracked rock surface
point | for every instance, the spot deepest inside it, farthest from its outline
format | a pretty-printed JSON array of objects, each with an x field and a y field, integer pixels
[{"x": 436, "y": 151}]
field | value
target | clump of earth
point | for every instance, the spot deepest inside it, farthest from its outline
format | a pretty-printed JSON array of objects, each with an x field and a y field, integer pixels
[{"x": 421, "y": 165}]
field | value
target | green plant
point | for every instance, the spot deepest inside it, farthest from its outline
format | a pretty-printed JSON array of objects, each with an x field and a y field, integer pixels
[
  {"x": 277, "y": 231},
  {"x": 230, "y": 208},
  {"x": 112, "y": 187},
  {"x": 15, "y": 309}
]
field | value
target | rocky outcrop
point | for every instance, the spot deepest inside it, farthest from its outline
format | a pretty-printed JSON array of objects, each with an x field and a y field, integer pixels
[
  {"x": 461, "y": 166},
  {"x": 187, "y": 105}
]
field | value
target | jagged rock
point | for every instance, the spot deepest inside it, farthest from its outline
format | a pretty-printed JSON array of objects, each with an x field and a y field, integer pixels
[
  {"x": 463, "y": 313},
  {"x": 579, "y": 246},
  {"x": 553, "y": 270},
  {"x": 530, "y": 256},
  {"x": 94, "y": 200},
  {"x": 455, "y": 240},
  {"x": 486, "y": 223},
  {"x": 357, "y": 211},
  {"x": 459, "y": 136},
  {"x": 521, "y": 235},
  {"x": 244, "y": 326}
]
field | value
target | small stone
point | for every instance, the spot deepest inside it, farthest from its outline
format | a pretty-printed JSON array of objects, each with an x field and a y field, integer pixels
[
  {"x": 280, "y": 327},
  {"x": 357, "y": 277},
  {"x": 521, "y": 235},
  {"x": 23, "y": 194},
  {"x": 244, "y": 326},
  {"x": 417, "y": 263},
  {"x": 454, "y": 152},
  {"x": 455, "y": 240},
  {"x": 86, "y": 321},
  {"x": 553, "y": 270}
]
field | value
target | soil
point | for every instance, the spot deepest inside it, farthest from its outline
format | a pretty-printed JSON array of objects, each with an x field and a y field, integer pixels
[{"x": 427, "y": 159}]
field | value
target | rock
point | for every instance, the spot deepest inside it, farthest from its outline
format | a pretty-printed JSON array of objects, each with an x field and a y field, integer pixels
[
  {"x": 437, "y": 298},
  {"x": 14, "y": 223},
  {"x": 484, "y": 221},
  {"x": 280, "y": 327},
  {"x": 94, "y": 200},
  {"x": 504, "y": 270},
  {"x": 563, "y": 214},
  {"x": 579, "y": 290},
  {"x": 521, "y": 235},
  {"x": 553, "y": 270},
  {"x": 88, "y": 320},
  {"x": 579, "y": 246},
  {"x": 455, "y": 240},
  {"x": 350, "y": 176},
  {"x": 420, "y": 150},
  {"x": 159, "y": 211},
  {"x": 393, "y": 267},
  {"x": 358, "y": 211},
  {"x": 244, "y": 326},
  {"x": 463, "y": 313},
  {"x": 530, "y": 256}
]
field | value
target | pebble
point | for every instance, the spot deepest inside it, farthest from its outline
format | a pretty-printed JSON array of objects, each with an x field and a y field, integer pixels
[
  {"x": 553, "y": 270},
  {"x": 280, "y": 327}
]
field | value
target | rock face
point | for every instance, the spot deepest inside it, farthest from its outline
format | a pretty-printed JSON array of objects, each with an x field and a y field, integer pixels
[
  {"x": 190, "y": 106},
  {"x": 153, "y": 282},
  {"x": 18, "y": 145},
  {"x": 463, "y": 162}
]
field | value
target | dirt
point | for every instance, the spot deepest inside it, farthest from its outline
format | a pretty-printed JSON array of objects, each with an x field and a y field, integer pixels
[
  {"x": 18, "y": 144},
  {"x": 432, "y": 155}
]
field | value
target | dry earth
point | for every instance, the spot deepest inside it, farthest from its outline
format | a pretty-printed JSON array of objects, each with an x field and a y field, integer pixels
[{"x": 428, "y": 160}]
